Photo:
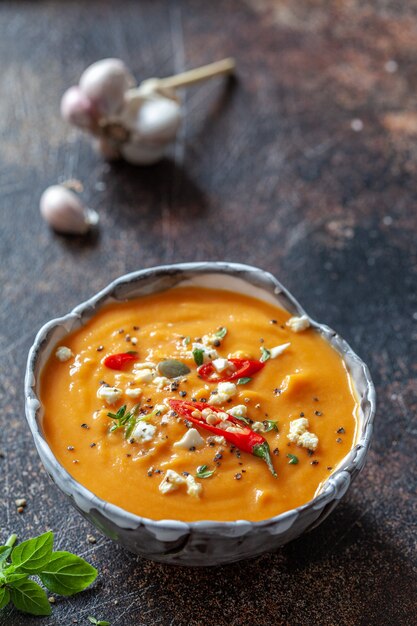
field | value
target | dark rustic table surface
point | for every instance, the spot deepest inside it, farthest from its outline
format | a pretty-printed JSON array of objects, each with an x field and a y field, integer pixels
[{"x": 306, "y": 166}]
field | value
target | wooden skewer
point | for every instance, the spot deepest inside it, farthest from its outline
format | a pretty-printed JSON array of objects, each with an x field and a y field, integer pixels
[{"x": 219, "y": 68}]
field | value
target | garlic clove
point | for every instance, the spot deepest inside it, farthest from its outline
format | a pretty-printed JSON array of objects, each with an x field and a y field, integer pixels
[
  {"x": 105, "y": 83},
  {"x": 159, "y": 120},
  {"x": 63, "y": 211},
  {"x": 138, "y": 152},
  {"x": 77, "y": 108}
]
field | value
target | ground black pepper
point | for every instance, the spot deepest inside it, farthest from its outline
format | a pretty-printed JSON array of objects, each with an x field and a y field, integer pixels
[{"x": 238, "y": 476}]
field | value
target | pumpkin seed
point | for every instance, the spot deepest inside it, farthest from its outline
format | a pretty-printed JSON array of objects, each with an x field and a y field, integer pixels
[{"x": 171, "y": 368}]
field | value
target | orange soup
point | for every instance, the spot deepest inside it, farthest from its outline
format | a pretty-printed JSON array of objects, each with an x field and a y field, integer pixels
[{"x": 198, "y": 404}]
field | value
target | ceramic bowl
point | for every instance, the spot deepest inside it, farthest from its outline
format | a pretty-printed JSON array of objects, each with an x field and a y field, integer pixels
[{"x": 205, "y": 542}]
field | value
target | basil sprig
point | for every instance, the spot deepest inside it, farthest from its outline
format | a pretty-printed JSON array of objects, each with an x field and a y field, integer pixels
[
  {"x": 198, "y": 355},
  {"x": 60, "y": 572}
]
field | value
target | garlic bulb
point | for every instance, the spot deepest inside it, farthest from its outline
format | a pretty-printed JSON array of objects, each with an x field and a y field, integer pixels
[
  {"x": 77, "y": 108},
  {"x": 105, "y": 83},
  {"x": 137, "y": 123},
  {"x": 63, "y": 211}
]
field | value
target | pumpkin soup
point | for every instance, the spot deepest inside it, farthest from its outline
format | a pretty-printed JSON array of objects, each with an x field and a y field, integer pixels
[{"x": 197, "y": 404}]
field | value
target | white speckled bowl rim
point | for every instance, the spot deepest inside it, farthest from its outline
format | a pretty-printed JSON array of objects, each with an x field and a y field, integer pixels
[{"x": 152, "y": 280}]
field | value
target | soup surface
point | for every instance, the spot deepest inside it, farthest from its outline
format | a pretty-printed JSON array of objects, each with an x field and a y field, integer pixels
[{"x": 159, "y": 460}]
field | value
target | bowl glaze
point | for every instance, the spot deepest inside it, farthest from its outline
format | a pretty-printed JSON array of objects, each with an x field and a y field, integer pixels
[{"x": 205, "y": 542}]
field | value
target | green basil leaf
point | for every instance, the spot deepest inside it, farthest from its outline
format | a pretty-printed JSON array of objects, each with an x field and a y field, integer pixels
[
  {"x": 198, "y": 355},
  {"x": 97, "y": 622},
  {"x": 67, "y": 574},
  {"x": 11, "y": 577},
  {"x": 31, "y": 556},
  {"x": 222, "y": 332},
  {"x": 293, "y": 459},
  {"x": 265, "y": 354},
  {"x": 243, "y": 381},
  {"x": 204, "y": 472},
  {"x": 4, "y": 554},
  {"x": 4, "y": 597},
  {"x": 270, "y": 425},
  {"x": 29, "y": 597}
]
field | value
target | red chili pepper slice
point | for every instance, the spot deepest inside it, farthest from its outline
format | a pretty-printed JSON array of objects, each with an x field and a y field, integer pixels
[
  {"x": 118, "y": 361},
  {"x": 244, "y": 368},
  {"x": 246, "y": 439}
]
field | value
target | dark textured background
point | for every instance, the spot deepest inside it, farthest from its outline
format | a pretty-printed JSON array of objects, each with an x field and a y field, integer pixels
[{"x": 269, "y": 171}]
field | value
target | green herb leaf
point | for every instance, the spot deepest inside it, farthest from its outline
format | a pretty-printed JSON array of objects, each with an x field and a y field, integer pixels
[
  {"x": 293, "y": 459},
  {"x": 198, "y": 355},
  {"x": 222, "y": 332},
  {"x": 204, "y": 472},
  {"x": 240, "y": 418},
  {"x": 270, "y": 425},
  {"x": 9, "y": 577},
  {"x": 124, "y": 419},
  {"x": 134, "y": 352},
  {"x": 29, "y": 597},
  {"x": 262, "y": 450},
  {"x": 186, "y": 341},
  {"x": 97, "y": 622},
  {"x": 31, "y": 556},
  {"x": 243, "y": 381},
  {"x": 67, "y": 574},
  {"x": 4, "y": 597},
  {"x": 265, "y": 354},
  {"x": 4, "y": 554}
]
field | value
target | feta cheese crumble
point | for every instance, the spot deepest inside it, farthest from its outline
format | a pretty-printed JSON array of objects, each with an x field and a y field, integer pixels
[
  {"x": 160, "y": 382},
  {"x": 63, "y": 354},
  {"x": 222, "y": 364},
  {"x": 209, "y": 354},
  {"x": 298, "y": 324},
  {"x": 144, "y": 376},
  {"x": 131, "y": 392},
  {"x": 240, "y": 410},
  {"x": 225, "y": 391},
  {"x": 172, "y": 480},
  {"x": 191, "y": 439},
  {"x": 301, "y": 436},
  {"x": 143, "y": 432},
  {"x": 109, "y": 394}
]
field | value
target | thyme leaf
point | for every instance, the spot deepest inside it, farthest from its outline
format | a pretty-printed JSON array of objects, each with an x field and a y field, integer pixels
[{"x": 204, "y": 472}]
